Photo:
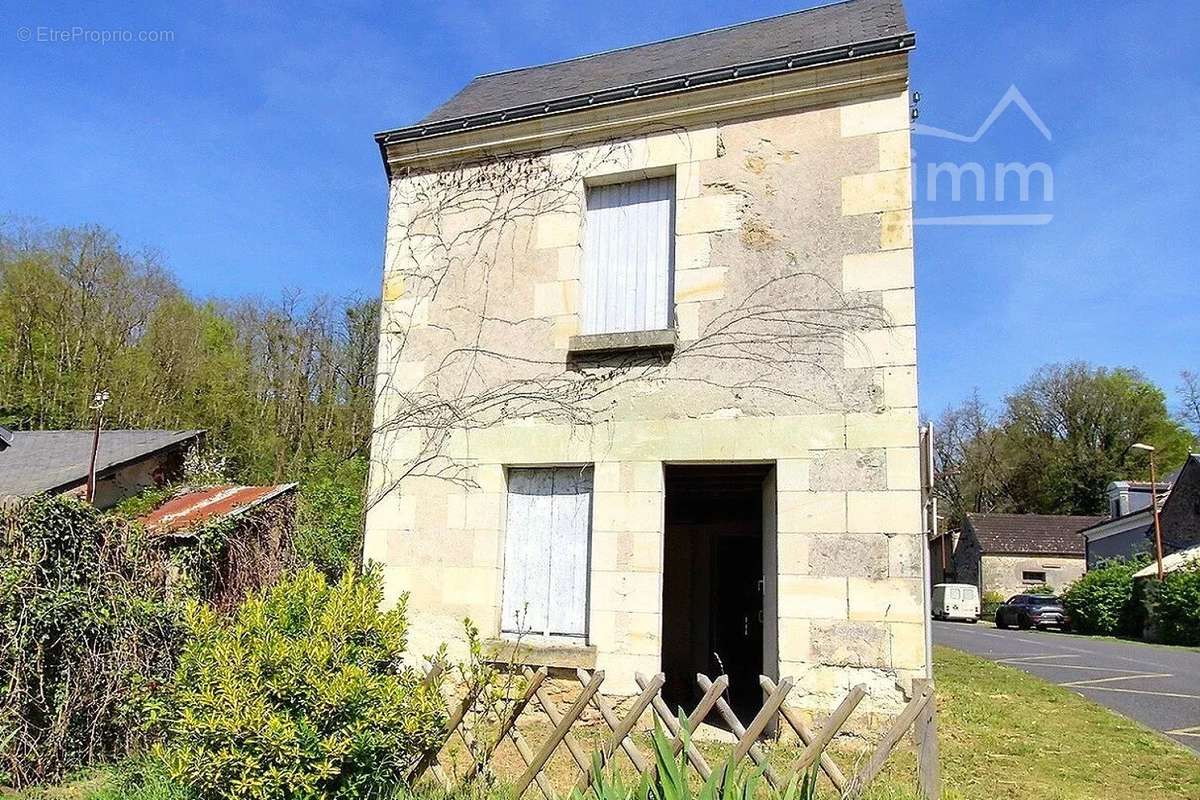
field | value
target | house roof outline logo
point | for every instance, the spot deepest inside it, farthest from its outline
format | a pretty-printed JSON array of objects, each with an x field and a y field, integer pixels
[{"x": 1011, "y": 97}]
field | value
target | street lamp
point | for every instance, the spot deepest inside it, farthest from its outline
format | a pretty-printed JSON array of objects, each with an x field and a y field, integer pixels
[
  {"x": 97, "y": 405},
  {"x": 1153, "y": 505}
]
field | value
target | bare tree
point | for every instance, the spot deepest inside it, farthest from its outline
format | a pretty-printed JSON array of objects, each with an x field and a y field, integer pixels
[
  {"x": 968, "y": 457},
  {"x": 1189, "y": 391}
]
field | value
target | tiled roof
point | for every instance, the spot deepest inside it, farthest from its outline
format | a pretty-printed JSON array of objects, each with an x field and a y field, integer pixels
[
  {"x": 809, "y": 35},
  {"x": 43, "y": 461},
  {"x": 1049, "y": 534},
  {"x": 187, "y": 510}
]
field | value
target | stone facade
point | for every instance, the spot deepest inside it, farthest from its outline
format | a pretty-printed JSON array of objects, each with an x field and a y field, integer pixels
[
  {"x": 792, "y": 221},
  {"x": 1003, "y": 574}
]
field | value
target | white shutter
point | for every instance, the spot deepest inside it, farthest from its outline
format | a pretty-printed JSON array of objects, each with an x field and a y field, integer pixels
[
  {"x": 569, "y": 546},
  {"x": 547, "y": 544},
  {"x": 627, "y": 250},
  {"x": 527, "y": 541}
]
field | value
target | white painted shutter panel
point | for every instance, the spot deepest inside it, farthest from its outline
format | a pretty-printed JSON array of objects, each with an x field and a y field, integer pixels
[
  {"x": 569, "y": 551},
  {"x": 546, "y": 551},
  {"x": 627, "y": 251},
  {"x": 526, "y": 545}
]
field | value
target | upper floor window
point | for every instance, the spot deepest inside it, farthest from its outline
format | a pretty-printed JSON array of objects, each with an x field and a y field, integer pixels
[{"x": 627, "y": 254}]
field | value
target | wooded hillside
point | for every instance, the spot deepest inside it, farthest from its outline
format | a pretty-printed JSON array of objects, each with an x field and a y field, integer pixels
[{"x": 278, "y": 383}]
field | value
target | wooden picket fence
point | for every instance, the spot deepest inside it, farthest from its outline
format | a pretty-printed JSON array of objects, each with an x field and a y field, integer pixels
[{"x": 919, "y": 715}]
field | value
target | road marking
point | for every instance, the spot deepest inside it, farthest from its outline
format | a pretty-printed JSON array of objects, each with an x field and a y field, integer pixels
[
  {"x": 1185, "y": 732},
  {"x": 1141, "y": 691},
  {"x": 1025, "y": 659},
  {"x": 1092, "y": 669},
  {"x": 1100, "y": 651},
  {"x": 1093, "y": 681}
]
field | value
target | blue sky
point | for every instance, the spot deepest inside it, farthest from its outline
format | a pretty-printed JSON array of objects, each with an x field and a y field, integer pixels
[{"x": 242, "y": 151}]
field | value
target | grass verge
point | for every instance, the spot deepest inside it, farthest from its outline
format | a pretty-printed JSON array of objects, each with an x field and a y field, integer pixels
[{"x": 1006, "y": 735}]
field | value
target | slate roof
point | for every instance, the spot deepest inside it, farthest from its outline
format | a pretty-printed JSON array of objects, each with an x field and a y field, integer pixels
[
  {"x": 44, "y": 461},
  {"x": 776, "y": 44},
  {"x": 1016, "y": 534}
]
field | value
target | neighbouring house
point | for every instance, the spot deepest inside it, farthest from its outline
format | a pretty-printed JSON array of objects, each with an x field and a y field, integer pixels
[
  {"x": 647, "y": 367},
  {"x": 127, "y": 461},
  {"x": 1187, "y": 558},
  {"x": 254, "y": 547},
  {"x": 1011, "y": 553},
  {"x": 1129, "y": 533}
]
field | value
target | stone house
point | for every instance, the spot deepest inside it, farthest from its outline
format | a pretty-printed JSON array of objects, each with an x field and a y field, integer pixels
[
  {"x": 646, "y": 396},
  {"x": 57, "y": 462},
  {"x": 1129, "y": 531},
  {"x": 1012, "y": 553}
]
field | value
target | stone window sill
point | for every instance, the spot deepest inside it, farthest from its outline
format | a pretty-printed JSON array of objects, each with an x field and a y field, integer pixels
[
  {"x": 540, "y": 653},
  {"x": 616, "y": 342}
]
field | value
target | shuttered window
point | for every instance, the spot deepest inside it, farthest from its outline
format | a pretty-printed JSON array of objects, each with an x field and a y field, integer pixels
[
  {"x": 627, "y": 254},
  {"x": 546, "y": 551}
]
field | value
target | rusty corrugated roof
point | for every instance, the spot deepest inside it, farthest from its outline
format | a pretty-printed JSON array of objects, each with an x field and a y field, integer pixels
[{"x": 228, "y": 500}]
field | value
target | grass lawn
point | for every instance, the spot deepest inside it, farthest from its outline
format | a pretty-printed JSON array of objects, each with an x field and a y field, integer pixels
[{"x": 1004, "y": 735}]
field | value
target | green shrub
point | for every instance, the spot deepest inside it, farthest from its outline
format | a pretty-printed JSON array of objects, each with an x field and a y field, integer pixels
[
  {"x": 1044, "y": 590},
  {"x": 141, "y": 779},
  {"x": 1103, "y": 602},
  {"x": 85, "y": 627},
  {"x": 1177, "y": 606},
  {"x": 329, "y": 515},
  {"x": 300, "y": 694},
  {"x": 991, "y": 601}
]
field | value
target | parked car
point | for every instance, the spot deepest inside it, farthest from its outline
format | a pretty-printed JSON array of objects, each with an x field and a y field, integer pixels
[
  {"x": 955, "y": 601},
  {"x": 1030, "y": 610}
]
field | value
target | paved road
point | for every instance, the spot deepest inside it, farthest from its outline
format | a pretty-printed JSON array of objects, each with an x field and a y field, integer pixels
[{"x": 1157, "y": 686}]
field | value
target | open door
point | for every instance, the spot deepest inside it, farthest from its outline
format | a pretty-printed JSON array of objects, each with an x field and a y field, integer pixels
[{"x": 714, "y": 582}]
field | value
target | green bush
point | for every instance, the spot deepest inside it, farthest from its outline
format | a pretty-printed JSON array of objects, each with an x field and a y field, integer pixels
[
  {"x": 140, "y": 779},
  {"x": 85, "y": 627},
  {"x": 1103, "y": 601},
  {"x": 329, "y": 515},
  {"x": 1177, "y": 607},
  {"x": 300, "y": 694},
  {"x": 991, "y": 601}
]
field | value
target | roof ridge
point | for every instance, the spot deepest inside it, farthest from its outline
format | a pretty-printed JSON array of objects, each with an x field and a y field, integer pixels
[{"x": 675, "y": 38}]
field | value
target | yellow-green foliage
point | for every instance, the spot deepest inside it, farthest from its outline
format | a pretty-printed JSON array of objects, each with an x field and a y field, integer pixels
[{"x": 301, "y": 694}]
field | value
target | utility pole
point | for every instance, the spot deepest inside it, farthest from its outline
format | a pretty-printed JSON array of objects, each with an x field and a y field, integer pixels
[
  {"x": 1158, "y": 554},
  {"x": 97, "y": 405}
]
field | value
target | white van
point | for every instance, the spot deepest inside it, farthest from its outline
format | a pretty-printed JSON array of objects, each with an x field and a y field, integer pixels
[{"x": 956, "y": 601}]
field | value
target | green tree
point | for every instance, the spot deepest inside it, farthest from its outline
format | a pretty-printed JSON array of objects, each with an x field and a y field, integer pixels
[
  {"x": 1058, "y": 442},
  {"x": 1068, "y": 432}
]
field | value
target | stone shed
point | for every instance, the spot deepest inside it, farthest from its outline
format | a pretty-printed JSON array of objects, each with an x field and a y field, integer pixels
[
  {"x": 1012, "y": 553},
  {"x": 647, "y": 392},
  {"x": 239, "y": 537}
]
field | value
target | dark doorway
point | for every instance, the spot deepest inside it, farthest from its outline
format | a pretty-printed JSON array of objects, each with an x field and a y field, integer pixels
[{"x": 713, "y": 582}]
